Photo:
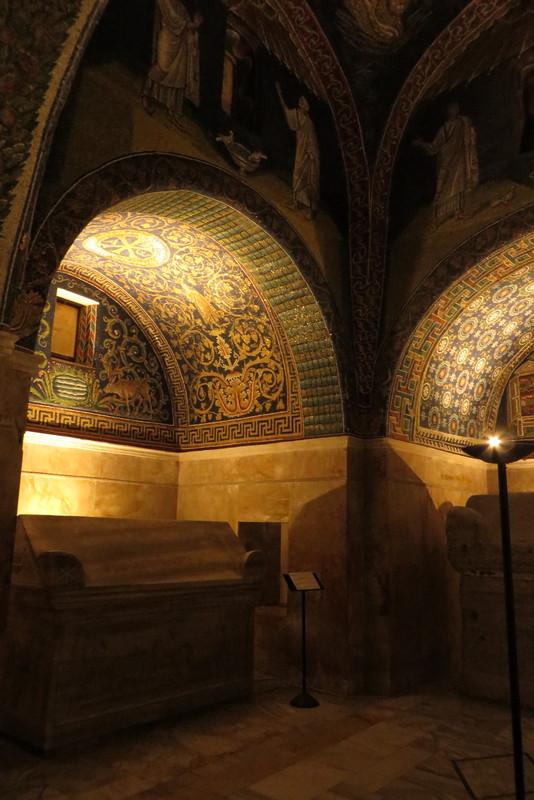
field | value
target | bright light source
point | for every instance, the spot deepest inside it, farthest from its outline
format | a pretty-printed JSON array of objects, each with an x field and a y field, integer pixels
[{"x": 494, "y": 441}]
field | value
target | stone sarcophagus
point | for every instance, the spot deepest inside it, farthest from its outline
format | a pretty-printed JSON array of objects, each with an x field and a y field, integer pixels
[
  {"x": 474, "y": 547},
  {"x": 117, "y": 621}
]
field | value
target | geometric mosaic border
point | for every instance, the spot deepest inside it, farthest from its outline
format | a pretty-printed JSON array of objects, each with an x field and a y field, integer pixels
[{"x": 165, "y": 437}]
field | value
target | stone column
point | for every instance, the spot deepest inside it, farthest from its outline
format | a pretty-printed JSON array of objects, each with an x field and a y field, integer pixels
[{"x": 16, "y": 371}]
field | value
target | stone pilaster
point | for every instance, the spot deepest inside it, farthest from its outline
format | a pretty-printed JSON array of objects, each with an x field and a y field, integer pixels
[{"x": 16, "y": 371}]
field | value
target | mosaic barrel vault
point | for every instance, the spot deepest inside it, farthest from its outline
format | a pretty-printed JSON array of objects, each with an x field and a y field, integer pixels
[
  {"x": 453, "y": 371},
  {"x": 209, "y": 335}
]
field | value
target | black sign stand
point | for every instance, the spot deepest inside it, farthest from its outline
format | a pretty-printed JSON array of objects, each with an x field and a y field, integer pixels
[{"x": 303, "y": 582}]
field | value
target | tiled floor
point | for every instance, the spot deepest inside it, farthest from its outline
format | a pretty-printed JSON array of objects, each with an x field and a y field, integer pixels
[{"x": 435, "y": 745}]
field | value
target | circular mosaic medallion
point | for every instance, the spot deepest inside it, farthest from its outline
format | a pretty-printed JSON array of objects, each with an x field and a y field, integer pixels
[
  {"x": 443, "y": 344},
  {"x": 443, "y": 371},
  {"x": 479, "y": 366},
  {"x": 510, "y": 328},
  {"x": 463, "y": 380},
  {"x": 475, "y": 304},
  {"x": 480, "y": 389},
  {"x": 503, "y": 293},
  {"x": 463, "y": 355},
  {"x": 485, "y": 340},
  {"x": 520, "y": 307},
  {"x": 446, "y": 399},
  {"x": 493, "y": 316},
  {"x": 135, "y": 248},
  {"x": 468, "y": 328},
  {"x": 465, "y": 406},
  {"x": 434, "y": 418},
  {"x": 501, "y": 349}
]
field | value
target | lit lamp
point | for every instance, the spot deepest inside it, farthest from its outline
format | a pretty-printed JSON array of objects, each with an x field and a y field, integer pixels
[{"x": 503, "y": 453}]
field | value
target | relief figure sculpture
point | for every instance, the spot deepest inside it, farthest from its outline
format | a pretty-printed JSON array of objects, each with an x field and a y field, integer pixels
[
  {"x": 174, "y": 75},
  {"x": 306, "y": 166},
  {"x": 457, "y": 164}
]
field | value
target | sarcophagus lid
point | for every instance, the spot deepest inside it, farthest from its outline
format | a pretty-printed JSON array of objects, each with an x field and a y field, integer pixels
[{"x": 72, "y": 552}]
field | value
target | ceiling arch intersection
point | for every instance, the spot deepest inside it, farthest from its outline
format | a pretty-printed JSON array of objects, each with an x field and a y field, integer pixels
[
  {"x": 299, "y": 28},
  {"x": 478, "y": 16}
]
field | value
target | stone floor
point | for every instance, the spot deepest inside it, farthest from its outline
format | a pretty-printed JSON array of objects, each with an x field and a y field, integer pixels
[{"x": 433, "y": 745}]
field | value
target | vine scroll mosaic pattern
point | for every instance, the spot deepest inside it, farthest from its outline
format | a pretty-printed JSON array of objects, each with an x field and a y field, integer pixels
[{"x": 189, "y": 352}]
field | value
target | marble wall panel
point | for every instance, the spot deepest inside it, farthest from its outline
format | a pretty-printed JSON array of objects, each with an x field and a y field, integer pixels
[
  {"x": 263, "y": 501},
  {"x": 298, "y": 460},
  {"x": 58, "y": 455},
  {"x": 368, "y": 516},
  {"x": 62, "y": 495},
  {"x": 413, "y": 615},
  {"x": 16, "y": 369},
  {"x": 68, "y": 476},
  {"x": 135, "y": 500},
  {"x": 302, "y": 485},
  {"x": 192, "y": 503},
  {"x": 520, "y": 477}
]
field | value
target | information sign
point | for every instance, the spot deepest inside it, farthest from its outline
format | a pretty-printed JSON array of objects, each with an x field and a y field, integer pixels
[{"x": 303, "y": 581}]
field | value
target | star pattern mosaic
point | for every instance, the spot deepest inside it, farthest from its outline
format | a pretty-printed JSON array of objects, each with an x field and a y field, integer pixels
[
  {"x": 453, "y": 373},
  {"x": 472, "y": 358}
]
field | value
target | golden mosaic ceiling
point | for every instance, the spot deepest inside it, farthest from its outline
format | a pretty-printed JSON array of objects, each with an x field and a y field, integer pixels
[
  {"x": 230, "y": 356},
  {"x": 245, "y": 350}
]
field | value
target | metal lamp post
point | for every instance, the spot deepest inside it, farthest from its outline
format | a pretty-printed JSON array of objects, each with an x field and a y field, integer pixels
[{"x": 503, "y": 453}]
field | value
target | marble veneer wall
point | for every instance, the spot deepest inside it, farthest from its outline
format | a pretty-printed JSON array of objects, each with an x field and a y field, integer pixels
[
  {"x": 412, "y": 615},
  {"x": 520, "y": 477},
  {"x": 367, "y": 516},
  {"x": 303, "y": 485},
  {"x": 66, "y": 476}
]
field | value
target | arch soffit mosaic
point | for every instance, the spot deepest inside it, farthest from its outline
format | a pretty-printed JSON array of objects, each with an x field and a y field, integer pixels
[
  {"x": 305, "y": 318},
  {"x": 452, "y": 373},
  {"x": 131, "y": 176},
  {"x": 209, "y": 250}
]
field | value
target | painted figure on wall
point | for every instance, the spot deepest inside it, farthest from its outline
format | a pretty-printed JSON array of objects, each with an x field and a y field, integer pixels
[
  {"x": 174, "y": 75},
  {"x": 306, "y": 166},
  {"x": 457, "y": 167}
]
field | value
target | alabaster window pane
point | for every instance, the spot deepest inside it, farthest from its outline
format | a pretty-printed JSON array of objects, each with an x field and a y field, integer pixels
[{"x": 65, "y": 329}]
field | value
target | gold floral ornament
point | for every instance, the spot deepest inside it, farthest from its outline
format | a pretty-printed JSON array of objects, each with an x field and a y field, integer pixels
[{"x": 209, "y": 310}]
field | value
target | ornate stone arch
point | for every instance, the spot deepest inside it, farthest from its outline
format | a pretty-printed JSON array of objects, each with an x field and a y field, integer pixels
[{"x": 268, "y": 248}]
